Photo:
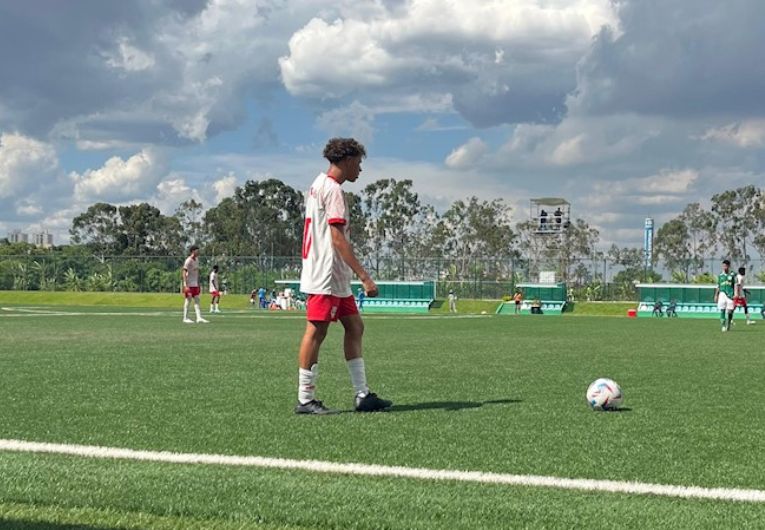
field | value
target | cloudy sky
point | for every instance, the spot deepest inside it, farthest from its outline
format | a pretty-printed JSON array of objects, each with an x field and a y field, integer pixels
[{"x": 627, "y": 108}]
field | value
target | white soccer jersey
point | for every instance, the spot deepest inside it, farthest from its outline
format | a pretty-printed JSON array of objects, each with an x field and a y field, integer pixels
[
  {"x": 214, "y": 281},
  {"x": 192, "y": 266},
  {"x": 739, "y": 285},
  {"x": 324, "y": 271}
]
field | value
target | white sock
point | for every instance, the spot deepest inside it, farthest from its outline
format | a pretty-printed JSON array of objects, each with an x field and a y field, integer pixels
[
  {"x": 197, "y": 310},
  {"x": 358, "y": 376},
  {"x": 186, "y": 309},
  {"x": 307, "y": 383}
]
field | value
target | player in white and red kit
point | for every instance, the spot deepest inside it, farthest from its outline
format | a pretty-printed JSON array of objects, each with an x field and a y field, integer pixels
[
  {"x": 214, "y": 291},
  {"x": 191, "y": 288},
  {"x": 328, "y": 266},
  {"x": 740, "y": 295}
]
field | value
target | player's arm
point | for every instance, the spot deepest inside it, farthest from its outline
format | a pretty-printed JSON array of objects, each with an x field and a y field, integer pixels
[{"x": 344, "y": 248}]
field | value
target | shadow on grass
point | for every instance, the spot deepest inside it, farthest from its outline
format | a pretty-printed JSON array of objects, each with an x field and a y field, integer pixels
[
  {"x": 450, "y": 405},
  {"x": 17, "y": 524}
]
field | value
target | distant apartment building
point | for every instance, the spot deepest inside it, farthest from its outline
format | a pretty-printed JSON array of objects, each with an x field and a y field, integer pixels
[
  {"x": 41, "y": 239},
  {"x": 44, "y": 240},
  {"x": 17, "y": 236}
]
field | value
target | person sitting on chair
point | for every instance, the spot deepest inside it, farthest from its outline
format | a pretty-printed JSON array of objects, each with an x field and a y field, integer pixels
[
  {"x": 536, "y": 307},
  {"x": 658, "y": 309},
  {"x": 558, "y": 217}
]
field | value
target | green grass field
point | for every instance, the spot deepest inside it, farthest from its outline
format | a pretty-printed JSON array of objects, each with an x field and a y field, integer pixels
[{"x": 480, "y": 393}]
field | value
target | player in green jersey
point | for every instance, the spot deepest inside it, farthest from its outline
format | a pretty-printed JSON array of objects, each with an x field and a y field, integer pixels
[{"x": 724, "y": 294}]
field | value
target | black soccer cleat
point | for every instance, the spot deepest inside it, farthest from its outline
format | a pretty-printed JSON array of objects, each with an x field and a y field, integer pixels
[
  {"x": 312, "y": 407},
  {"x": 371, "y": 403}
]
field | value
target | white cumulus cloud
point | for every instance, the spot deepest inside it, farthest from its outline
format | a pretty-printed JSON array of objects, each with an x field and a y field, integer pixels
[
  {"x": 467, "y": 154},
  {"x": 171, "y": 192},
  {"x": 121, "y": 180},
  {"x": 224, "y": 187},
  {"x": 500, "y": 62},
  {"x": 25, "y": 164}
]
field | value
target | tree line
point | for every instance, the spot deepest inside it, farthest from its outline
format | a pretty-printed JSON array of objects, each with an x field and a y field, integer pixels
[
  {"x": 392, "y": 226},
  {"x": 733, "y": 227}
]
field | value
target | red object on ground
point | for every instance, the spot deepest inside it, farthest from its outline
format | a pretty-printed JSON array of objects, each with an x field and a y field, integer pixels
[{"x": 632, "y": 313}]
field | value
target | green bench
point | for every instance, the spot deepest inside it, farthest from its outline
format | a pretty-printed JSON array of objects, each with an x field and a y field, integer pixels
[
  {"x": 696, "y": 310},
  {"x": 549, "y": 307},
  {"x": 393, "y": 305}
]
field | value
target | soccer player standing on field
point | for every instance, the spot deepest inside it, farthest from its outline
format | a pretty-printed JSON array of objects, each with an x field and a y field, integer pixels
[
  {"x": 191, "y": 289},
  {"x": 214, "y": 290},
  {"x": 726, "y": 282},
  {"x": 741, "y": 292},
  {"x": 328, "y": 264}
]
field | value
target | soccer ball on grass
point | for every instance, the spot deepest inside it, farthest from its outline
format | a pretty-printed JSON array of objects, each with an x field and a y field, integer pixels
[{"x": 604, "y": 394}]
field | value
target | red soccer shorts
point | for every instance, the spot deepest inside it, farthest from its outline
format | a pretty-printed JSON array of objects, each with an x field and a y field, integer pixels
[
  {"x": 739, "y": 301},
  {"x": 190, "y": 292},
  {"x": 328, "y": 308},
  {"x": 214, "y": 293}
]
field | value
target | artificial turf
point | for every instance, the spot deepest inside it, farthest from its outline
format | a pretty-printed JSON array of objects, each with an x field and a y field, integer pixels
[{"x": 485, "y": 393}]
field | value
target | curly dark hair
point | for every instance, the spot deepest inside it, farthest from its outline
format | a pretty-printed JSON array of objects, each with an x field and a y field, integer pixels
[{"x": 338, "y": 149}]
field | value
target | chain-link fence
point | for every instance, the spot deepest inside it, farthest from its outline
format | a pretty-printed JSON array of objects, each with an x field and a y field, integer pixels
[{"x": 469, "y": 277}]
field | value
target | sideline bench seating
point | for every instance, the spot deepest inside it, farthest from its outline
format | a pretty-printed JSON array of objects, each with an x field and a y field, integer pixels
[
  {"x": 390, "y": 305},
  {"x": 549, "y": 307},
  {"x": 696, "y": 310},
  {"x": 395, "y": 297}
]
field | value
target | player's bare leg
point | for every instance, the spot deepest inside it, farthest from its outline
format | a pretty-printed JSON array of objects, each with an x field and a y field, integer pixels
[
  {"x": 354, "y": 332},
  {"x": 315, "y": 333}
]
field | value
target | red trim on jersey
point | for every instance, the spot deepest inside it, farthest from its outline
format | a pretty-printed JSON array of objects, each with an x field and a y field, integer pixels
[
  {"x": 328, "y": 308},
  {"x": 307, "y": 239},
  {"x": 332, "y": 177},
  {"x": 337, "y": 221}
]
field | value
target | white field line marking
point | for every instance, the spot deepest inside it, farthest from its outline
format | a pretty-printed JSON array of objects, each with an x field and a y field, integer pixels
[
  {"x": 609, "y": 486},
  {"x": 32, "y": 312},
  {"x": 236, "y": 313}
]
